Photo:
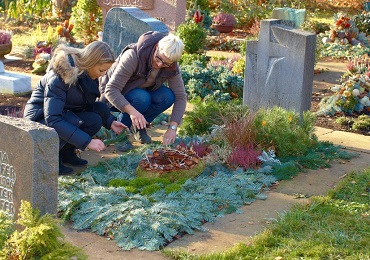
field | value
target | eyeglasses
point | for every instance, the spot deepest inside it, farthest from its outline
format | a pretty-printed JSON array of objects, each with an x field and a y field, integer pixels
[{"x": 162, "y": 61}]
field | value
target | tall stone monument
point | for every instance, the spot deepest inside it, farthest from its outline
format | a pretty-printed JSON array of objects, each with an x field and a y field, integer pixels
[
  {"x": 124, "y": 25},
  {"x": 170, "y": 12},
  {"x": 279, "y": 68},
  {"x": 29, "y": 166}
]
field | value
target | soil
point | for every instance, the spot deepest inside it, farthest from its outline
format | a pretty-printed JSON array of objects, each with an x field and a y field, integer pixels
[{"x": 13, "y": 105}]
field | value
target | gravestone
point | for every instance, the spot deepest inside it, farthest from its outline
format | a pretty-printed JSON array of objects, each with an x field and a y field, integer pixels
[
  {"x": 170, "y": 12},
  {"x": 29, "y": 166},
  {"x": 290, "y": 16},
  {"x": 279, "y": 68},
  {"x": 124, "y": 25},
  {"x": 13, "y": 83}
]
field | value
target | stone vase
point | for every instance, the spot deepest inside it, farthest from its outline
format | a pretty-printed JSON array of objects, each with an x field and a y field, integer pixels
[
  {"x": 5, "y": 49},
  {"x": 223, "y": 28}
]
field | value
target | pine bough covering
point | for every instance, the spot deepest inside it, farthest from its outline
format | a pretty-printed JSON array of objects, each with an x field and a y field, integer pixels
[{"x": 150, "y": 222}]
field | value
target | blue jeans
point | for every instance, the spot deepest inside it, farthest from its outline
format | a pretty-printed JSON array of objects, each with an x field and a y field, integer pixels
[{"x": 149, "y": 103}]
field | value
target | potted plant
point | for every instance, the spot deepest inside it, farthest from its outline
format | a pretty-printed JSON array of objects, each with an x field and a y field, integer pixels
[
  {"x": 224, "y": 22},
  {"x": 5, "y": 42}
]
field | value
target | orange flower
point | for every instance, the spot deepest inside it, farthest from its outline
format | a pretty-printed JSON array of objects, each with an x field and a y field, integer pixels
[
  {"x": 264, "y": 123},
  {"x": 59, "y": 30}
]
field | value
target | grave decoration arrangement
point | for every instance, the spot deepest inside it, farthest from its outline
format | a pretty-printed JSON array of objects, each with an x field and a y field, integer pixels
[
  {"x": 352, "y": 95},
  {"x": 344, "y": 39},
  {"x": 152, "y": 210},
  {"x": 171, "y": 163},
  {"x": 5, "y": 42}
]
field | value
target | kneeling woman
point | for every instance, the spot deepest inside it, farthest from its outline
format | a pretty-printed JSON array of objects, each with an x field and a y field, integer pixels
[{"x": 65, "y": 99}]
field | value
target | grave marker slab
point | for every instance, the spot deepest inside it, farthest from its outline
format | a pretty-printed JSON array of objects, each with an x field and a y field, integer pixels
[
  {"x": 279, "y": 68},
  {"x": 14, "y": 83},
  {"x": 29, "y": 166},
  {"x": 124, "y": 25}
]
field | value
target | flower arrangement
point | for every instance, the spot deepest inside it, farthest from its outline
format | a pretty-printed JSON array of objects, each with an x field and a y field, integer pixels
[
  {"x": 65, "y": 30},
  {"x": 352, "y": 95},
  {"x": 5, "y": 36},
  {"x": 344, "y": 32},
  {"x": 224, "y": 19}
]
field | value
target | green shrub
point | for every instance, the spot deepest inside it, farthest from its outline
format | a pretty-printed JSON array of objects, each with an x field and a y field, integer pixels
[
  {"x": 174, "y": 187},
  {"x": 40, "y": 238},
  {"x": 118, "y": 183},
  {"x": 284, "y": 131},
  {"x": 88, "y": 20},
  {"x": 362, "y": 123},
  {"x": 189, "y": 59},
  {"x": 215, "y": 82},
  {"x": 150, "y": 189},
  {"x": 362, "y": 22},
  {"x": 200, "y": 120},
  {"x": 193, "y": 35}
]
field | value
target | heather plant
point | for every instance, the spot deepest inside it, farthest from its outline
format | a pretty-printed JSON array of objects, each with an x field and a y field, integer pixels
[
  {"x": 238, "y": 130},
  {"x": 246, "y": 157},
  {"x": 227, "y": 62},
  {"x": 285, "y": 132},
  {"x": 5, "y": 36}
]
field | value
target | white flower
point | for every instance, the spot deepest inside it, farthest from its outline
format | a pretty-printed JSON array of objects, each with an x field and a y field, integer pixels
[{"x": 356, "y": 92}]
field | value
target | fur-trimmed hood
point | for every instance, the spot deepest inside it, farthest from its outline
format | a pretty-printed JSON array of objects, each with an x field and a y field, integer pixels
[{"x": 63, "y": 64}]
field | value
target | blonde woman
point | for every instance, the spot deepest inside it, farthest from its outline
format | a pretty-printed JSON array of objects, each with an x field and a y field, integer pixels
[
  {"x": 66, "y": 99},
  {"x": 135, "y": 84}
]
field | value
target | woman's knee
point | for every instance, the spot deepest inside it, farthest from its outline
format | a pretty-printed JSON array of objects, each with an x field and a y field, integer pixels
[
  {"x": 92, "y": 123},
  {"x": 140, "y": 99},
  {"x": 164, "y": 96},
  {"x": 102, "y": 109}
]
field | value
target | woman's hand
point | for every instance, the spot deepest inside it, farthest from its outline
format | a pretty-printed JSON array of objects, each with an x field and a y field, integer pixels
[
  {"x": 96, "y": 145},
  {"x": 118, "y": 127},
  {"x": 138, "y": 120},
  {"x": 169, "y": 137}
]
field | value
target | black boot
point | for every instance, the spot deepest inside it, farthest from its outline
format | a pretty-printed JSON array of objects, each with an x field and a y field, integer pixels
[
  {"x": 144, "y": 137},
  {"x": 64, "y": 170},
  {"x": 69, "y": 156}
]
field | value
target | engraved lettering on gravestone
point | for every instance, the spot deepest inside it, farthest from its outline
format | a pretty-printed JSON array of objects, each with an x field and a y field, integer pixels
[
  {"x": 132, "y": 3},
  {"x": 7, "y": 181},
  {"x": 162, "y": 19},
  {"x": 171, "y": 2}
]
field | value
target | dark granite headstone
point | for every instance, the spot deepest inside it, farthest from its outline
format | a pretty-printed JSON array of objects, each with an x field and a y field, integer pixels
[
  {"x": 29, "y": 166},
  {"x": 124, "y": 25}
]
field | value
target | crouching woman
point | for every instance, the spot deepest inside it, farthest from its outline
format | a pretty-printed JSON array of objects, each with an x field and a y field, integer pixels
[{"x": 65, "y": 99}]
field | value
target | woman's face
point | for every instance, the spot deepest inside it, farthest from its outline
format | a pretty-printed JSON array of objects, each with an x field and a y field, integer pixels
[
  {"x": 159, "y": 60},
  {"x": 98, "y": 70}
]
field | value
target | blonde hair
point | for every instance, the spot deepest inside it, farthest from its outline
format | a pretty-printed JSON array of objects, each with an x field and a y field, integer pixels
[
  {"x": 97, "y": 52},
  {"x": 171, "y": 46}
]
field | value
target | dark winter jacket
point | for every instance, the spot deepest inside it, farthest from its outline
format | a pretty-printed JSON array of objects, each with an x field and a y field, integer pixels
[{"x": 60, "y": 93}]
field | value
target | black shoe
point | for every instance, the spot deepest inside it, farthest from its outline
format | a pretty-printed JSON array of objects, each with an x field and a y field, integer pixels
[
  {"x": 69, "y": 156},
  {"x": 124, "y": 146},
  {"x": 64, "y": 170},
  {"x": 144, "y": 137}
]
